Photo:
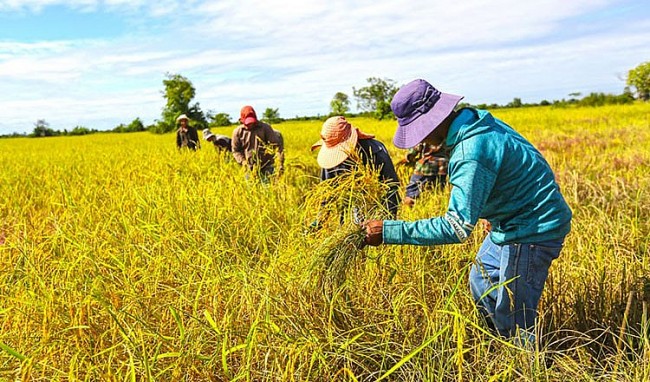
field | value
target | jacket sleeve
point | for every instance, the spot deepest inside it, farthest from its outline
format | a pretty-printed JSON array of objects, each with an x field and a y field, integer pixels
[
  {"x": 272, "y": 137},
  {"x": 389, "y": 177},
  {"x": 195, "y": 137},
  {"x": 237, "y": 147},
  {"x": 178, "y": 139},
  {"x": 472, "y": 184}
]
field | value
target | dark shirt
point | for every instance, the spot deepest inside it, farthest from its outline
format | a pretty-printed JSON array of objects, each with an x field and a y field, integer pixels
[
  {"x": 374, "y": 153},
  {"x": 222, "y": 142},
  {"x": 189, "y": 138}
]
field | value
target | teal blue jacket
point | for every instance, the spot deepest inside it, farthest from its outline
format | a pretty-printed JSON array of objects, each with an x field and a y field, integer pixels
[{"x": 496, "y": 175}]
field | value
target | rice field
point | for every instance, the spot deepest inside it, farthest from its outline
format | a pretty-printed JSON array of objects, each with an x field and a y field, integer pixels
[{"x": 124, "y": 259}]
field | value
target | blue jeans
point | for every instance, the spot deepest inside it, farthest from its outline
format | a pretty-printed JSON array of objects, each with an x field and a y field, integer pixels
[
  {"x": 507, "y": 282},
  {"x": 418, "y": 182}
]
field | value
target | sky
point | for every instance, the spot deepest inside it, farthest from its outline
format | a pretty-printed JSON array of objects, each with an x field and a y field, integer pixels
[{"x": 100, "y": 63}]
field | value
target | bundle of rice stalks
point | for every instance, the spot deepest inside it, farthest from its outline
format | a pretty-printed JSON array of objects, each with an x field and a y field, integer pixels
[
  {"x": 336, "y": 258},
  {"x": 334, "y": 211},
  {"x": 339, "y": 253}
]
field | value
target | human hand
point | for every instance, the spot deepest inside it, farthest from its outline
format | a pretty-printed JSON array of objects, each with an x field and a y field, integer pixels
[
  {"x": 487, "y": 226},
  {"x": 374, "y": 232}
]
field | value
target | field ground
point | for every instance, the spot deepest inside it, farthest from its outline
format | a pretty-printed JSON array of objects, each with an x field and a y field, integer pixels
[{"x": 121, "y": 258}]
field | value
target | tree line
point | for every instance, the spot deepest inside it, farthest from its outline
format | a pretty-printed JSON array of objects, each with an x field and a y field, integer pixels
[{"x": 373, "y": 100}]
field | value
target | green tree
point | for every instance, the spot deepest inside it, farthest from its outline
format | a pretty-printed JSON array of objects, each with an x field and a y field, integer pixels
[
  {"x": 80, "y": 130},
  {"x": 271, "y": 115},
  {"x": 42, "y": 129},
  {"x": 134, "y": 126},
  {"x": 639, "y": 77},
  {"x": 220, "y": 120},
  {"x": 179, "y": 93},
  {"x": 516, "y": 102},
  {"x": 340, "y": 104},
  {"x": 600, "y": 99},
  {"x": 376, "y": 96}
]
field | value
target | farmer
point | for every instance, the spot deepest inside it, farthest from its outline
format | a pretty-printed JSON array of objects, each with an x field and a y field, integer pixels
[
  {"x": 186, "y": 135},
  {"x": 430, "y": 169},
  {"x": 254, "y": 144},
  {"x": 221, "y": 142},
  {"x": 338, "y": 140},
  {"x": 496, "y": 175}
]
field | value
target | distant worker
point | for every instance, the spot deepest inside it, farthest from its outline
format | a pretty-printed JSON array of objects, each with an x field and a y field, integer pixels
[
  {"x": 430, "y": 169},
  {"x": 339, "y": 139},
  {"x": 254, "y": 144},
  {"x": 497, "y": 175},
  {"x": 220, "y": 142},
  {"x": 186, "y": 135}
]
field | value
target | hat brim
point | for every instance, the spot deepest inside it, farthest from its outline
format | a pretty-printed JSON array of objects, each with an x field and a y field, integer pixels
[
  {"x": 411, "y": 134},
  {"x": 361, "y": 135},
  {"x": 329, "y": 157}
]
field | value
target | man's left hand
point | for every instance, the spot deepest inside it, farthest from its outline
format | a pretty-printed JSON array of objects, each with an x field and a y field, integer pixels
[{"x": 374, "y": 232}]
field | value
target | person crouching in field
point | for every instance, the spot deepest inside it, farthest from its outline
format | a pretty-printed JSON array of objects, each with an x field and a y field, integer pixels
[
  {"x": 430, "y": 170},
  {"x": 254, "y": 144},
  {"x": 186, "y": 135},
  {"x": 338, "y": 140},
  {"x": 220, "y": 142},
  {"x": 497, "y": 175}
]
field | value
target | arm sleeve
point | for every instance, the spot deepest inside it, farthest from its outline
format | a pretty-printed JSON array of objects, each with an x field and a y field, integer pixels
[
  {"x": 237, "y": 148},
  {"x": 471, "y": 188},
  {"x": 389, "y": 177},
  {"x": 195, "y": 136},
  {"x": 178, "y": 140},
  {"x": 271, "y": 136},
  {"x": 411, "y": 155}
]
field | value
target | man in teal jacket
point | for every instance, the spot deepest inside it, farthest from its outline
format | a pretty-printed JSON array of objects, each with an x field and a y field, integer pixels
[{"x": 495, "y": 175}]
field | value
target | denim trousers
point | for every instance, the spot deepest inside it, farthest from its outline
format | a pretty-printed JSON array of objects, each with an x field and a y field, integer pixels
[
  {"x": 506, "y": 282},
  {"x": 417, "y": 183}
]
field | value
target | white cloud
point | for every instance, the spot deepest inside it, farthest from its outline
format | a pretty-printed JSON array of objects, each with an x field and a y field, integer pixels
[{"x": 296, "y": 55}]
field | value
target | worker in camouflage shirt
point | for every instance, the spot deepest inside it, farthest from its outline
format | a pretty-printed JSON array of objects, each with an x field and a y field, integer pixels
[{"x": 430, "y": 169}]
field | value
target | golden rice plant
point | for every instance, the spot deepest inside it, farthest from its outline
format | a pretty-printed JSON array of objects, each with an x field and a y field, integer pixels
[
  {"x": 123, "y": 258},
  {"x": 337, "y": 209}
]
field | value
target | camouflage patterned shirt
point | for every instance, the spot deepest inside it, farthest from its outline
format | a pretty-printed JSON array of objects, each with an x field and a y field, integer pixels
[{"x": 428, "y": 160}]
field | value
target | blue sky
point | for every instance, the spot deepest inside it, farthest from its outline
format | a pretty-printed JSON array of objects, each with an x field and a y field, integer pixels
[{"x": 101, "y": 63}]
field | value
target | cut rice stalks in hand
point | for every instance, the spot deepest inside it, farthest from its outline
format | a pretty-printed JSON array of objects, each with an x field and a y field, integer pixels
[{"x": 336, "y": 259}]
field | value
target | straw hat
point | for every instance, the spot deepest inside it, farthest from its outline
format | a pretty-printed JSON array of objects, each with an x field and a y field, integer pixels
[
  {"x": 207, "y": 134},
  {"x": 338, "y": 140}
]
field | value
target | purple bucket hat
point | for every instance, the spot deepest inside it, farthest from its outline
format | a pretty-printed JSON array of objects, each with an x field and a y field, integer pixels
[{"x": 419, "y": 108}]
